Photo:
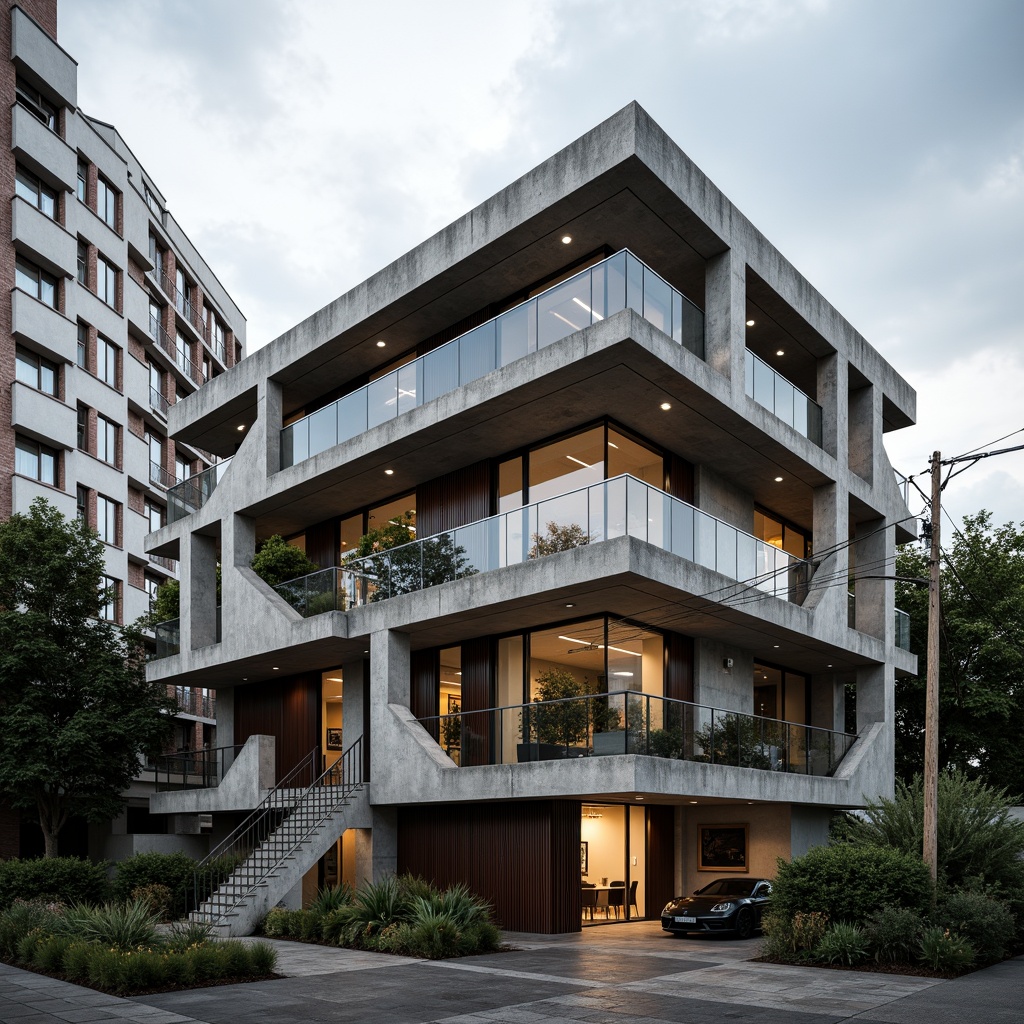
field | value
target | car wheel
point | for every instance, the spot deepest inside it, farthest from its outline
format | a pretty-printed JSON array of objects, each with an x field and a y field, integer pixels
[{"x": 744, "y": 924}]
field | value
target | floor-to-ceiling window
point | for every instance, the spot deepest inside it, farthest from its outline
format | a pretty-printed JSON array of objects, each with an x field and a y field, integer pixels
[{"x": 613, "y": 862}]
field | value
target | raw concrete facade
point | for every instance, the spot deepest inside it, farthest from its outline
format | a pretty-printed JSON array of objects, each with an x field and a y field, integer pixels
[
  {"x": 771, "y": 410},
  {"x": 110, "y": 316}
]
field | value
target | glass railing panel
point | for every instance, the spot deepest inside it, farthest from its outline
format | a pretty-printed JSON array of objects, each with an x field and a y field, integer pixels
[
  {"x": 705, "y": 539},
  {"x": 746, "y": 556},
  {"x": 726, "y": 550},
  {"x": 477, "y": 356},
  {"x": 814, "y": 415},
  {"x": 785, "y": 396},
  {"x": 781, "y": 397},
  {"x": 636, "y": 508},
  {"x": 323, "y": 429},
  {"x": 658, "y": 302},
  {"x": 902, "y": 629},
  {"x": 295, "y": 443},
  {"x": 382, "y": 400},
  {"x": 764, "y": 383},
  {"x": 168, "y": 638},
  {"x": 634, "y": 284},
  {"x": 190, "y": 495},
  {"x": 410, "y": 386},
  {"x": 682, "y": 530},
  {"x": 516, "y": 333},
  {"x": 352, "y": 416},
  {"x": 563, "y": 310},
  {"x": 440, "y": 371}
]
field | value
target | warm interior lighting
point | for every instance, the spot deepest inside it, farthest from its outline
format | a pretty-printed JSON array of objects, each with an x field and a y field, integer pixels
[
  {"x": 570, "y": 605},
  {"x": 778, "y": 479},
  {"x": 627, "y": 675},
  {"x": 693, "y": 801},
  {"x": 572, "y": 458},
  {"x": 276, "y": 669},
  {"x": 665, "y": 406},
  {"x": 241, "y": 426},
  {"x": 389, "y": 472},
  {"x": 579, "y": 302},
  {"x": 750, "y": 323},
  {"x": 381, "y": 344},
  {"x": 599, "y": 647},
  {"x": 780, "y": 352},
  {"x": 639, "y": 797},
  {"x": 566, "y": 239},
  {"x": 592, "y": 812}
]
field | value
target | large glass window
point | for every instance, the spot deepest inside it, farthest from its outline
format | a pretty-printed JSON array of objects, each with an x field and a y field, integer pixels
[
  {"x": 107, "y": 355},
  {"x": 83, "y": 263},
  {"x": 779, "y": 693},
  {"x": 775, "y": 531},
  {"x": 110, "y": 598},
  {"x": 155, "y": 514},
  {"x": 35, "y": 460},
  {"x": 106, "y": 281},
  {"x": 37, "y": 282},
  {"x": 35, "y": 371},
  {"x": 33, "y": 100},
  {"x": 182, "y": 468},
  {"x": 107, "y": 520},
  {"x": 106, "y": 202},
  {"x": 36, "y": 192},
  {"x": 354, "y": 526},
  {"x": 81, "y": 189},
  {"x": 106, "y": 440}
]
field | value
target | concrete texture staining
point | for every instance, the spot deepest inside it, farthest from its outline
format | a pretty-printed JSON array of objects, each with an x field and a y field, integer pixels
[{"x": 726, "y": 448}]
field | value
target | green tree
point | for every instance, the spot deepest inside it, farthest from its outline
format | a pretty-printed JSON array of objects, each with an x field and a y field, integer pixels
[
  {"x": 77, "y": 711},
  {"x": 277, "y": 561},
  {"x": 558, "y": 538},
  {"x": 981, "y": 652}
]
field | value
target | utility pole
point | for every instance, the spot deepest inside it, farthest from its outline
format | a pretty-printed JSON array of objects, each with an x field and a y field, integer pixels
[{"x": 931, "y": 716}]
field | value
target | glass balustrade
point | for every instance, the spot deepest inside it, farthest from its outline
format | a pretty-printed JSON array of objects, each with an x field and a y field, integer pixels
[
  {"x": 622, "y": 506},
  {"x": 770, "y": 389},
  {"x": 902, "y": 629},
  {"x": 622, "y": 281},
  {"x": 192, "y": 494},
  {"x": 627, "y": 722}
]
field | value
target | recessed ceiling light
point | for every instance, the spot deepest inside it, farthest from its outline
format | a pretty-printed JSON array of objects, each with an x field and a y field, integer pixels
[
  {"x": 628, "y": 675},
  {"x": 566, "y": 239},
  {"x": 693, "y": 801},
  {"x": 570, "y": 605},
  {"x": 828, "y": 666},
  {"x": 665, "y": 406},
  {"x": 780, "y": 351},
  {"x": 776, "y": 646},
  {"x": 381, "y": 344},
  {"x": 639, "y": 797},
  {"x": 750, "y": 323},
  {"x": 391, "y": 472},
  {"x": 778, "y": 479},
  {"x": 276, "y": 669},
  {"x": 241, "y": 426},
  {"x": 366, "y": 652}
]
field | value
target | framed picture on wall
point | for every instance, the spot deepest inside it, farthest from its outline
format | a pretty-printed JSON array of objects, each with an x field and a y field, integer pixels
[
  {"x": 722, "y": 848},
  {"x": 454, "y": 704},
  {"x": 334, "y": 739},
  {"x": 584, "y": 858}
]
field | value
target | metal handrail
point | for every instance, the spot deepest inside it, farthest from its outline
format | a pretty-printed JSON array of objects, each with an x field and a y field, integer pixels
[
  {"x": 201, "y": 764},
  {"x": 276, "y": 817}
]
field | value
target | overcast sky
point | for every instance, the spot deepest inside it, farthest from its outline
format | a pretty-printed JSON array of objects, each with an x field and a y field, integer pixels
[{"x": 879, "y": 144}]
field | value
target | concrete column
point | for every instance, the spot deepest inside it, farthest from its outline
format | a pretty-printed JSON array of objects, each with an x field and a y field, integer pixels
[
  {"x": 874, "y": 696},
  {"x": 863, "y": 429},
  {"x": 199, "y": 602},
  {"x": 826, "y": 701},
  {"x": 376, "y": 849},
  {"x": 725, "y": 316},
  {"x": 389, "y": 669},
  {"x": 270, "y": 418},
  {"x": 831, "y": 535},
  {"x": 874, "y": 555},
  {"x": 833, "y": 374},
  {"x": 355, "y": 696},
  {"x": 226, "y": 724},
  {"x": 808, "y": 827}
]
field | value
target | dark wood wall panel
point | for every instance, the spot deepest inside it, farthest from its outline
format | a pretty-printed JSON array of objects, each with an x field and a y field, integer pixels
[
  {"x": 477, "y": 695},
  {"x": 287, "y": 709},
  {"x": 425, "y": 687},
  {"x": 680, "y": 478},
  {"x": 322, "y": 543},
  {"x": 454, "y": 499},
  {"x": 679, "y": 666},
  {"x": 523, "y": 858},
  {"x": 660, "y": 859}
]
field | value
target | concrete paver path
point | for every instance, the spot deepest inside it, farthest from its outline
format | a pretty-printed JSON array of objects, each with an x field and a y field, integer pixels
[{"x": 625, "y": 974}]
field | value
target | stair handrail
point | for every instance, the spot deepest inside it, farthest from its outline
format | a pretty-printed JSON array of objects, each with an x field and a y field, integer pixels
[{"x": 352, "y": 779}]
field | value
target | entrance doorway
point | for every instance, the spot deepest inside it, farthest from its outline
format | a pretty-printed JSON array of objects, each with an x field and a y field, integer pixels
[{"x": 613, "y": 863}]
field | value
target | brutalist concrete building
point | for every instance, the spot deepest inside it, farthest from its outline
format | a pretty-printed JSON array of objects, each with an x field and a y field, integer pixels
[
  {"x": 598, "y": 487},
  {"x": 110, "y": 316}
]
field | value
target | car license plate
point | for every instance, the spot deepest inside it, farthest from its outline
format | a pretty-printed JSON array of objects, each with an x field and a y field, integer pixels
[{"x": 686, "y": 920}]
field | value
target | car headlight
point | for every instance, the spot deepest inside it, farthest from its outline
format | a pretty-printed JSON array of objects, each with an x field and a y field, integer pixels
[
  {"x": 722, "y": 908},
  {"x": 669, "y": 909}
]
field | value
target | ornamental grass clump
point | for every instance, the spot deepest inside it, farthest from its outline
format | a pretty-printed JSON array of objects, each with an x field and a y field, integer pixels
[
  {"x": 944, "y": 952},
  {"x": 118, "y": 925},
  {"x": 843, "y": 944}
]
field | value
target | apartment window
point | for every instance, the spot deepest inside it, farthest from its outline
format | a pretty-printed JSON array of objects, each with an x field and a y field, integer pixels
[
  {"x": 107, "y": 520},
  {"x": 106, "y": 202},
  {"x": 35, "y": 371},
  {"x": 156, "y": 257},
  {"x": 156, "y": 448},
  {"x": 34, "y": 101},
  {"x": 110, "y": 595},
  {"x": 154, "y": 319},
  {"x": 219, "y": 342},
  {"x": 181, "y": 354},
  {"x": 106, "y": 281},
  {"x": 106, "y": 440},
  {"x": 181, "y": 293},
  {"x": 152, "y": 584},
  {"x": 83, "y": 345},
  {"x": 38, "y": 283},
  {"x": 151, "y": 201},
  {"x": 82, "y": 502},
  {"x": 82, "y": 189},
  {"x": 35, "y": 460},
  {"x": 107, "y": 355},
  {"x": 83, "y": 263},
  {"x": 33, "y": 191},
  {"x": 156, "y": 377},
  {"x": 83, "y": 429},
  {"x": 207, "y": 367},
  {"x": 182, "y": 468},
  {"x": 155, "y": 514}
]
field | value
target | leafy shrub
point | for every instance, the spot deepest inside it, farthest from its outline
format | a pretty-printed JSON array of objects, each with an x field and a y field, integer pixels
[
  {"x": 156, "y": 896},
  {"x": 49, "y": 954},
  {"x": 28, "y": 944},
  {"x": 374, "y": 906},
  {"x": 778, "y": 937},
  {"x": 277, "y": 924},
  {"x": 174, "y": 871},
  {"x": 189, "y": 933},
  {"x": 846, "y": 882},
  {"x": 843, "y": 944},
  {"x": 308, "y": 925},
  {"x": 942, "y": 951},
  {"x": 77, "y": 958},
  {"x": 116, "y": 925},
  {"x": 893, "y": 934},
  {"x": 61, "y": 879},
  {"x": 21, "y": 918},
  {"x": 985, "y": 922},
  {"x": 808, "y": 930},
  {"x": 977, "y": 837},
  {"x": 332, "y": 898}
]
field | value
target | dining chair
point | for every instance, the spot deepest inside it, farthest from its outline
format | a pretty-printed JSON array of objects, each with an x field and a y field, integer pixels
[
  {"x": 588, "y": 896},
  {"x": 617, "y": 896},
  {"x": 632, "y": 897}
]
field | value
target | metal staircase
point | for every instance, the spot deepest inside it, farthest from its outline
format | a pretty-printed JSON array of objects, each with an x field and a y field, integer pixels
[{"x": 294, "y": 826}]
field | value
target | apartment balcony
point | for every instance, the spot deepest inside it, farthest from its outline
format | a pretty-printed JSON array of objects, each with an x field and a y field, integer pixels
[
  {"x": 769, "y": 388},
  {"x": 25, "y": 490},
  {"x": 42, "y": 416},
  {"x": 619, "y": 282},
  {"x": 42, "y": 150},
  {"x": 168, "y": 636},
  {"x": 196, "y": 703},
  {"x": 33, "y": 50},
  {"x": 627, "y": 722},
  {"x": 190, "y": 495},
  {"x": 42, "y": 239},
  {"x": 622, "y": 506},
  {"x": 48, "y": 330}
]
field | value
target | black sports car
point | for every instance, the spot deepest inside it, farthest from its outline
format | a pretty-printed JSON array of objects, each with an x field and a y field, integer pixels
[{"x": 725, "y": 905}]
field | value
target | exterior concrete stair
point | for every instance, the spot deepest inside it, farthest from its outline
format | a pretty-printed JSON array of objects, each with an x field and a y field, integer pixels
[{"x": 278, "y": 843}]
